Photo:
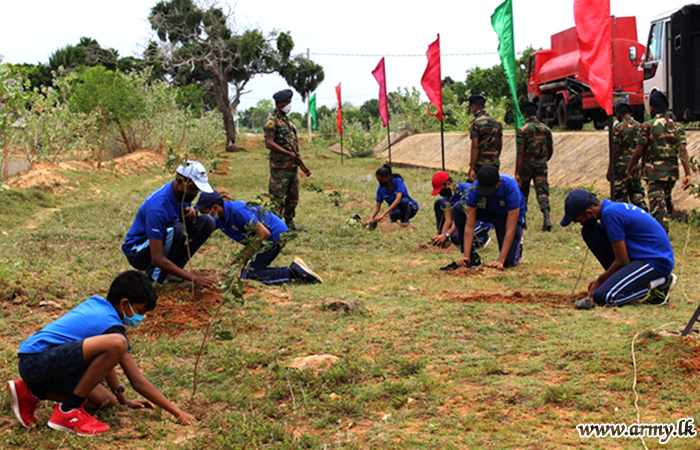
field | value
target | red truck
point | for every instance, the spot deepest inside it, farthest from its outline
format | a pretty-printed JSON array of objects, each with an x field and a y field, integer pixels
[{"x": 559, "y": 84}]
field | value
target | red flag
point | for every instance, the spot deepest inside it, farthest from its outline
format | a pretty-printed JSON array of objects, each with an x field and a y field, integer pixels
[
  {"x": 432, "y": 81},
  {"x": 594, "y": 28},
  {"x": 340, "y": 112},
  {"x": 380, "y": 75}
]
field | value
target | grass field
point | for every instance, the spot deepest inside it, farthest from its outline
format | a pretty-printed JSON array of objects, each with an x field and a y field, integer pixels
[{"x": 481, "y": 359}]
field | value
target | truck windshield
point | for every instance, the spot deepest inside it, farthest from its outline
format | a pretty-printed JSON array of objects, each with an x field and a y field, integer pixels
[{"x": 656, "y": 41}]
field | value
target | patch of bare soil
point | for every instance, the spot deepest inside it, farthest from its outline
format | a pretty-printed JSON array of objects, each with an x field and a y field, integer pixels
[
  {"x": 359, "y": 205},
  {"x": 41, "y": 174},
  {"x": 687, "y": 355},
  {"x": 546, "y": 299},
  {"x": 136, "y": 163}
]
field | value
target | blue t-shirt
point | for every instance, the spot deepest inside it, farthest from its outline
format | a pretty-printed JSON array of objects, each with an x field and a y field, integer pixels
[
  {"x": 388, "y": 196},
  {"x": 506, "y": 198},
  {"x": 645, "y": 239},
  {"x": 91, "y": 318},
  {"x": 240, "y": 217},
  {"x": 460, "y": 195},
  {"x": 160, "y": 208}
]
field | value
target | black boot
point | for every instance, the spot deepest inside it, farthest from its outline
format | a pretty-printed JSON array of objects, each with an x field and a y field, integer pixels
[
  {"x": 294, "y": 227},
  {"x": 547, "y": 224}
]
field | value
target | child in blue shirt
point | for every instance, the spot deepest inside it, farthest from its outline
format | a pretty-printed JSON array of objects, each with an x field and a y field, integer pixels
[
  {"x": 392, "y": 190},
  {"x": 67, "y": 360},
  {"x": 633, "y": 248},
  {"x": 241, "y": 222}
]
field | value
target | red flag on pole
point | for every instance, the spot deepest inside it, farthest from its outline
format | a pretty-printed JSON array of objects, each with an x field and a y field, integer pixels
[
  {"x": 380, "y": 75},
  {"x": 594, "y": 29},
  {"x": 432, "y": 79},
  {"x": 340, "y": 112}
]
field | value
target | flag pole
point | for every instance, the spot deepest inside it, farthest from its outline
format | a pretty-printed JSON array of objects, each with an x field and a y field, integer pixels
[
  {"x": 388, "y": 139},
  {"x": 442, "y": 143},
  {"x": 342, "y": 157}
]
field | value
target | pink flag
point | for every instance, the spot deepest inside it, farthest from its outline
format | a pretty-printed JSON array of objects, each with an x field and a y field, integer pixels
[
  {"x": 432, "y": 80},
  {"x": 380, "y": 75},
  {"x": 340, "y": 112},
  {"x": 594, "y": 28}
]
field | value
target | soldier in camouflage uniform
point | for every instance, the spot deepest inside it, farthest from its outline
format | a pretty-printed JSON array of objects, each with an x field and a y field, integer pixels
[
  {"x": 534, "y": 151},
  {"x": 625, "y": 135},
  {"x": 486, "y": 134},
  {"x": 661, "y": 141},
  {"x": 281, "y": 140}
]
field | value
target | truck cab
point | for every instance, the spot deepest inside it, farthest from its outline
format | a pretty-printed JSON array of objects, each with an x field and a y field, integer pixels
[{"x": 673, "y": 50}]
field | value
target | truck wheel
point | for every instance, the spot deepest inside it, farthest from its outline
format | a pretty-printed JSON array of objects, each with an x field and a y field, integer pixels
[
  {"x": 561, "y": 114},
  {"x": 564, "y": 120}
]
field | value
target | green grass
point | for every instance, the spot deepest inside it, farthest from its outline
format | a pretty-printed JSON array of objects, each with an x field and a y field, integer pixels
[{"x": 419, "y": 368}]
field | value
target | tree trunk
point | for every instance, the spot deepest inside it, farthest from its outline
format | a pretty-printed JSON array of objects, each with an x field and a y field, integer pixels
[
  {"x": 129, "y": 147},
  {"x": 223, "y": 104},
  {"x": 5, "y": 158}
]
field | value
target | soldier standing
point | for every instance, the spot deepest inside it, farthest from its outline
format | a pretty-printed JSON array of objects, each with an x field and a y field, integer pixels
[
  {"x": 534, "y": 151},
  {"x": 625, "y": 135},
  {"x": 281, "y": 140},
  {"x": 661, "y": 141},
  {"x": 486, "y": 134}
]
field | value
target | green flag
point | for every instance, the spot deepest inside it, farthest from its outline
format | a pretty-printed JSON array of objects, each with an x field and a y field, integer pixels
[
  {"x": 502, "y": 22},
  {"x": 312, "y": 112}
]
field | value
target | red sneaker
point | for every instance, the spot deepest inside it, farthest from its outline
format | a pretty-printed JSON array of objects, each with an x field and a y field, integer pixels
[
  {"x": 76, "y": 421},
  {"x": 23, "y": 402}
]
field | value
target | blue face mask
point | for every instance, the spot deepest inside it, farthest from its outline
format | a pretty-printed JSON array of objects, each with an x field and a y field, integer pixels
[{"x": 132, "y": 321}]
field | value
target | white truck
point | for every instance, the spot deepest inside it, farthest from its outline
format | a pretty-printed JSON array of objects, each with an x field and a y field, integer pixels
[{"x": 672, "y": 61}]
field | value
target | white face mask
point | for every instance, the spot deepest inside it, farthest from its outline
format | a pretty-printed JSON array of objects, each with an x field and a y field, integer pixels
[{"x": 287, "y": 109}]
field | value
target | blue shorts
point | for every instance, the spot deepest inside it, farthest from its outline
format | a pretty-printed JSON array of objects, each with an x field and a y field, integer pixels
[{"x": 57, "y": 369}]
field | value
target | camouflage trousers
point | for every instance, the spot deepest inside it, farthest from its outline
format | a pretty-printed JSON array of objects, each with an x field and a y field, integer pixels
[
  {"x": 538, "y": 175},
  {"x": 660, "y": 204},
  {"x": 629, "y": 191},
  {"x": 284, "y": 191}
]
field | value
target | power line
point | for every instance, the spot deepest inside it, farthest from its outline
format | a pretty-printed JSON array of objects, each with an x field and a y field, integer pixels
[{"x": 422, "y": 55}]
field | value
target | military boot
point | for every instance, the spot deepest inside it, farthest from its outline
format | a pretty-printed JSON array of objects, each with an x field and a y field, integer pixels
[
  {"x": 547, "y": 224},
  {"x": 294, "y": 227}
]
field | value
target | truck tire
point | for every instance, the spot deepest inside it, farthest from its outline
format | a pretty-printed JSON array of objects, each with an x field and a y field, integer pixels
[{"x": 563, "y": 118}]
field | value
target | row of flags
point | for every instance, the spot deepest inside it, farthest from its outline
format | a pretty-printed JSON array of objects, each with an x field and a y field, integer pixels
[{"x": 595, "y": 41}]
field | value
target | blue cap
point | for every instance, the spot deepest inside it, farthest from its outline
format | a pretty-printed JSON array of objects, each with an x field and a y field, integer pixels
[
  {"x": 578, "y": 201},
  {"x": 207, "y": 200}
]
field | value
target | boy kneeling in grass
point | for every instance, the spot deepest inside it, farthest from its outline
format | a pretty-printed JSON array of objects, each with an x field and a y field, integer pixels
[
  {"x": 242, "y": 223},
  {"x": 67, "y": 360}
]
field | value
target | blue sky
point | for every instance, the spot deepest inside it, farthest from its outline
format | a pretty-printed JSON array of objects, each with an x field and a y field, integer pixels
[{"x": 332, "y": 31}]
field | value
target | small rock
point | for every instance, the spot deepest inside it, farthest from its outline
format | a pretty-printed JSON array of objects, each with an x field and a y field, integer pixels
[
  {"x": 333, "y": 396},
  {"x": 342, "y": 305},
  {"x": 318, "y": 363},
  {"x": 4, "y": 233},
  {"x": 49, "y": 304}
]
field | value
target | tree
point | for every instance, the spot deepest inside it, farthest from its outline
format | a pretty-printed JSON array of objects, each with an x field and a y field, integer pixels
[
  {"x": 13, "y": 100},
  {"x": 87, "y": 52},
  {"x": 203, "y": 40},
  {"x": 112, "y": 97},
  {"x": 255, "y": 117}
]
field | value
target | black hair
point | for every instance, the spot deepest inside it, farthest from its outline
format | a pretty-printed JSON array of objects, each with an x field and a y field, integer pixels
[
  {"x": 479, "y": 103},
  {"x": 134, "y": 286},
  {"x": 385, "y": 171}
]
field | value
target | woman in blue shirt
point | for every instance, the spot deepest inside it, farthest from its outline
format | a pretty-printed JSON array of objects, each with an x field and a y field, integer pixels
[{"x": 392, "y": 190}]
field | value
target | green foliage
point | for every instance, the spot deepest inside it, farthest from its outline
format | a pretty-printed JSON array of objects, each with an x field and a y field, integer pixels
[
  {"x": 13, "y": 98},
  {"x": 361, "y": 141},
  {"x": 255, "y": 117}
]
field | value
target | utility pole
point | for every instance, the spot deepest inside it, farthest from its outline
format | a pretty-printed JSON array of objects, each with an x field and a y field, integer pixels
[{"x": 308, "y": 103}]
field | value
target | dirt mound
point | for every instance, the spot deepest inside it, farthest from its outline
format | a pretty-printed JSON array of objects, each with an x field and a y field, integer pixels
[
  {"x": 136, "y": 163},
  {"x": 547, "y": 299},
  {"x": 50, "y": 175}
]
